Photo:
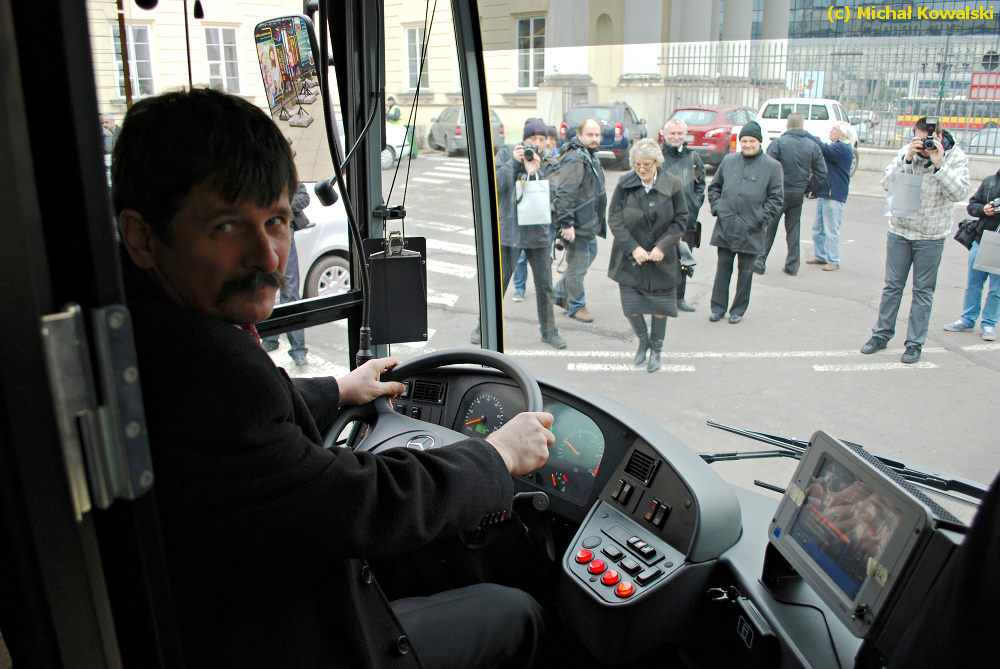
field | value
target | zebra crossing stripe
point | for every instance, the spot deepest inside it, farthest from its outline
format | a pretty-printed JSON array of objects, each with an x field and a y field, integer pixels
[
  {"x": 463, "y": 249},
  {"x": 439, "y": 267}
]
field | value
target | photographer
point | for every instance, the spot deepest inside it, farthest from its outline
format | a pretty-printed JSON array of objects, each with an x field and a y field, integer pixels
[
  {"x": 525, "y": 160},
  {"x": 919, "y": 241},
  {"x": 983, "y": 205}
]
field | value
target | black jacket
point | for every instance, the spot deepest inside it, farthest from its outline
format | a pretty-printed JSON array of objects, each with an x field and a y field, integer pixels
[
  {"x": 745, "y": 194},
  {"x": 509, "y": 170},
  {"x": 638, "y": 218},
  {"x": 988, "y": 191},
  {"x": 580, "y": 199},
  {"x": 801, "y": 161},
  {"x": 265, "y": 531},
  {"x": 687, "y": 166}
]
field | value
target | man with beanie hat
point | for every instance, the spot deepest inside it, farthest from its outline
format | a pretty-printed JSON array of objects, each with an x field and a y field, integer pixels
[
  {"x": 513, "y": 166},
  {"x": 745, "y": 195}
]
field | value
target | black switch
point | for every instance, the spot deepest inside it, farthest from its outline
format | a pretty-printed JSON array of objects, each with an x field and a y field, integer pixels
[
  {"x": 633, "y": 541},
  {"x": 630, "y": 565},
  {"x": 647, "y": 551},
  {"x": 626, "y": 493},
  {"x": 661, "y": 516},
  {"x": 618, "y": 489},
  {"x": 652, "y": 510},
  {"x": 650, "y": 574},
  {"x": 400, "y": 408},
  {"x": 639, "y": 545},
  {"x": 613, "y": 552},
  {"x": 415, "y": 412}
]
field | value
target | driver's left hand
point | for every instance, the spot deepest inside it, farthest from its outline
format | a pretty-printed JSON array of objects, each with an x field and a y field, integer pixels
[{"x": 363, "y": 385}]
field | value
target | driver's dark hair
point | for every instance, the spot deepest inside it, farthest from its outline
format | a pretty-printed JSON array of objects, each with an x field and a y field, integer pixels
[{"x": 173, "y": 142}]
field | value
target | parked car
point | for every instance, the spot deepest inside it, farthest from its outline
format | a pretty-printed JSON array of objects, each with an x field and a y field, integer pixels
[
  {"x": 986, "y": 142},
  {"x": 397, "y": 143},
  {"x": 324, "y": 262},
  {"x": 620, "y": 124},
  {"x": 820, "y": 116},
  {"x": 448, "y": 131},
  {"x": 864, "y": 128},
  {"x": 711, "y": 127}
]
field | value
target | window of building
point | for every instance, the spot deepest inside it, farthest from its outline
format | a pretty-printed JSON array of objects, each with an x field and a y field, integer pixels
[
  {"x": 223, "y": 63},
  {"x": 140, "y": 59},
  {"x": 414, "y": 47},
  {"x": 530, "y": 51}
]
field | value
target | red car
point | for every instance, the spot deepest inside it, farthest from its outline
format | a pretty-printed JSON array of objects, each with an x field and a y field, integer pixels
[{"x": 710, "y": 128}]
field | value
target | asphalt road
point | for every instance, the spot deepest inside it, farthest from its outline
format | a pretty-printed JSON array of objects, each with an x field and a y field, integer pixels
[{"x": 790, "y": 368}]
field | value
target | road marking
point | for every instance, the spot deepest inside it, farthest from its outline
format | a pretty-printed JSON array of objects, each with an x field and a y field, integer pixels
[
  {"x": 439, "y": 267},
  {"x": 443, "y": 227},
  {"x": 449, "y": 175},
  {"x": 463, "y": 249},
  {"x": 467, "y": 231},
  {"x": 316, "y": 364},
  {"x": 457, "y": 163},
  {"x": 429, "y": 181},
  {"x": 874, "y": 367},
  {"x": 712, "y": 354},
  {"x": 447, "y": 299},
  {"x": 449, "y": 168},
  {"x": 598, "y": 367},
  {"x": 982, "y": 347}
]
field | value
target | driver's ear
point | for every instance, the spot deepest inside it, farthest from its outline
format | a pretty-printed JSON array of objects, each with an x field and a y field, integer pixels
[{"x": 138, "y": 238}]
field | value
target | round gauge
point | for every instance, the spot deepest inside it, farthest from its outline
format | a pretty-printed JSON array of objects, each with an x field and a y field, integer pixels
[
  {"x": 581, "y": 450},
  {"x": 485, "y": 414},
  {"x": 557, "y": 480}
]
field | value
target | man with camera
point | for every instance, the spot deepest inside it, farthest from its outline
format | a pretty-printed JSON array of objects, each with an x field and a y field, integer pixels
[
  {"x": 918, "y": 242},
  {"x": 527, "y": 160},
  {"x": 984, "y": 205},
  {"x": 580, "y": 208}
]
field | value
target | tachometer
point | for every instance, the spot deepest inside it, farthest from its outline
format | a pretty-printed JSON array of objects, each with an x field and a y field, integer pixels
[
  {"x": 582, "y": 449},
  {"x": 485, "y": 414}
]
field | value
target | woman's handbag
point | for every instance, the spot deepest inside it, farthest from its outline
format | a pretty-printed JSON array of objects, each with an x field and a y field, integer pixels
[
  {"x": 533, "y": 205},
  {"x": 904, "y": 195},
  {"x": 988, "y": 257},
  {"x": 967, "y": 232}
]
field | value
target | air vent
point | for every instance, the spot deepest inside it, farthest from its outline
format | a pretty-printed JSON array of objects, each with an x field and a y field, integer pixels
[
  {"x": 642, "y": 467},
  {"x": 428, "y": 391}
]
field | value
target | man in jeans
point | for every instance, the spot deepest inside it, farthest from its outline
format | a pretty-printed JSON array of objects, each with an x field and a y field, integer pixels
[
  {"x": 918, "y": 242},
  {"x": 981, "y": 206},
  {"x": 832, "y": 194},
  {"x": 580, "y": 206}
]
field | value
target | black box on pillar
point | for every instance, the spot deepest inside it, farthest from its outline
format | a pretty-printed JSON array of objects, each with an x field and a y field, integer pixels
[{"x": 398, "y": 270}]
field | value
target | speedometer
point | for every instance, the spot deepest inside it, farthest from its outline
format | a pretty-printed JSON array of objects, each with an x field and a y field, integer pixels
[
  {"x": 485, "y": 414},
  {"x": 581, "y": 449}
]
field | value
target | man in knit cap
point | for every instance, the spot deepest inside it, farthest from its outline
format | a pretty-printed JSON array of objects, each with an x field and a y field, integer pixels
[
  {"x": 513, "y": 166},
  {"x": 745, "y": 195}
]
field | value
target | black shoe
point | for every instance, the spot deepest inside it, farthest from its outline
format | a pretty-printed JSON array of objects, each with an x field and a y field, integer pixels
[
  {"x": 875, "y": 344},
  {"x": 758, "y": 269},
  {"x": 555, "y": 341},
  {"x": 477, "y": 336},
  {"x": 790, "y": 272},
  {"x": 299, "y": 357},
  {"x": 654, "y": 359},
  {"x": 269, "y": 345},
  {"x": 715, "y": 317},
  {"x": 911, "y": 355},
  {"x": 684, "y": 306},
  {"x": 734, "y": 319}
]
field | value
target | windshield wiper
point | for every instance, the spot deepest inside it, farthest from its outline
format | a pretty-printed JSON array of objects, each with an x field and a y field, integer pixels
[{"x": 794, "y": 448}]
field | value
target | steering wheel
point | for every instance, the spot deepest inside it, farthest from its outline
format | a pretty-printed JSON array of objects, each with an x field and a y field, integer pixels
[{"x": 390, "y": 429}]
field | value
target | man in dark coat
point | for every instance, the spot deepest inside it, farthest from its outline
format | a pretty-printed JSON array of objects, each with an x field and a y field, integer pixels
[
  {"x": 804, "y": 169},
  {"x": 579, "y": 206},
  {"x": 746, "y": 193},
  {"x": 264, "y": 530},
  {"x": 680, "y": 161},
  {"x": 534, "y": 240}
]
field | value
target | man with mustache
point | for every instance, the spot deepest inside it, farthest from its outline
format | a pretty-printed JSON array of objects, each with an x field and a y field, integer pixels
[{"x": 264, "y": 531}]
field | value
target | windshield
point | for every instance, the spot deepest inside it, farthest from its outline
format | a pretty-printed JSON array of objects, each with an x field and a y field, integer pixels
[{"x": 695, "y": 116}]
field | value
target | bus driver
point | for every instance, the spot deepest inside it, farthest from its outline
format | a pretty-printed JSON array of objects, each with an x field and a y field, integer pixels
[{"x": 264, "y": 530}]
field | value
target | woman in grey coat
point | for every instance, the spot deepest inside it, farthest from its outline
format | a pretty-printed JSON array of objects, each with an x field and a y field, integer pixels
[
  {"x": 648, "y": 216},
  {"x": 746, "y": 193}
]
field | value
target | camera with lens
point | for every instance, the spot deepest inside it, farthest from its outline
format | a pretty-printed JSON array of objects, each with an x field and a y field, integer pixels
[
  {"x": 932, "y": 122},
  {"x": 529, "y": 154},
  {"x": 559, "y": 244},
  {"x": 995, "y": 204}
]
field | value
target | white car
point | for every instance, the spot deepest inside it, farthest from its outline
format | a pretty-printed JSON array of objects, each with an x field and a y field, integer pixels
[
  {"x": 396, "y": 143},
  {"x": 820, "y": 116},
  {"x": 324, "y": 261}
]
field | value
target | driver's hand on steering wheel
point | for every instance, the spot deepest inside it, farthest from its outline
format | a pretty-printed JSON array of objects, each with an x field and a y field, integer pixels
[
  {"x": 524, "y": 442},
  {"x": 362, "y": 385}
]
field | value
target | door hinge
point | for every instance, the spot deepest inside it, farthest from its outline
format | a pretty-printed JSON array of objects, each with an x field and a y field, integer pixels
[{"x": 104, "y": 439}]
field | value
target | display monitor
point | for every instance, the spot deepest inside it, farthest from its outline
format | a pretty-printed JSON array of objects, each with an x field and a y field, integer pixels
[{"x": 849, "y": 527}]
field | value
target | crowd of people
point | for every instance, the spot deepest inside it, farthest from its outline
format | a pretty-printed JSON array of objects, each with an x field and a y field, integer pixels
[{"x": 653, "y": 215}]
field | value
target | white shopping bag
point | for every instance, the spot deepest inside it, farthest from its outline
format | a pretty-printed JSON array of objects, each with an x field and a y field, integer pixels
[
  {"x": 988, "y": 257},
  {"x": 533, "y": 202},
  {"x": 904, "y": 195}
]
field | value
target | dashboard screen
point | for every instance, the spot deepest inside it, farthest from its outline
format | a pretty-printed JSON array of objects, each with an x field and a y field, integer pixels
[
  {"x": 574, "y": 458},
  {"x": 843, "y": 525}
]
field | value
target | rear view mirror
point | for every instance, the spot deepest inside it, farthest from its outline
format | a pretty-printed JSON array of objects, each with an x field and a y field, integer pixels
[{"x": 287, "y": 52}]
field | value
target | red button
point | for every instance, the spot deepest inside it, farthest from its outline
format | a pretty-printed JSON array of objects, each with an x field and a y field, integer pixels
[
  {"x": 610, "y": 577},
  {"x": 624, "y": 589},
  {"x": 596, "y": 567},
  {"x": 584, "y": 556}
]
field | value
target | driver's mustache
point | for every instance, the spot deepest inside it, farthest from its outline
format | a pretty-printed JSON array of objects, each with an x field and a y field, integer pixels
[{"x": 251, "y": 283}]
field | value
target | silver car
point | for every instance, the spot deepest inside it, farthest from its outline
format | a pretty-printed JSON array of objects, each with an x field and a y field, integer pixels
[
  {"x": 324, "y": 261},
  {"x": 448, "y": 131}
]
